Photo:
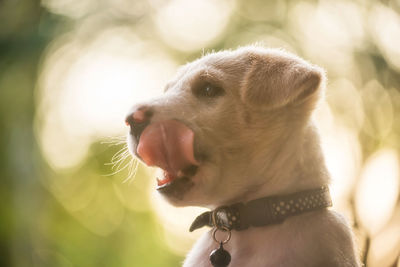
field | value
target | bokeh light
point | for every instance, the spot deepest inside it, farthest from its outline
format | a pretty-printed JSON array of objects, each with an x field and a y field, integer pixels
[
  {"x": 385, "y": 29},
  {"x": 70, "y": 70},
  {"x": 78, "y": 99},
  {"x": 378, "y": 190},
  {"x": 190, "y": 25}
]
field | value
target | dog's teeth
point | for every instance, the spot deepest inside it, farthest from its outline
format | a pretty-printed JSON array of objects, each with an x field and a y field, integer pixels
[{"x": 161, "y": 181}]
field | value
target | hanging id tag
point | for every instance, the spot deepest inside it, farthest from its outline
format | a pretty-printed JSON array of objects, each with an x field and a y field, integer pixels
[{"x": 220, "y": 257}]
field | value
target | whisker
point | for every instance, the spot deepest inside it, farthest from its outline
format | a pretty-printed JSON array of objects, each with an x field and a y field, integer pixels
[
  {"x": 131, "y": 166},
  {"x": 118, "y": 170},
  {"x": 120, "y": 155},
  {"x": 118, "y": 164},
  {"x": 118, "y": 158},
  {"x": 114, "y": 140},
  {"x": 122, "y": 159},
  {"x": 136, "y": 169}
]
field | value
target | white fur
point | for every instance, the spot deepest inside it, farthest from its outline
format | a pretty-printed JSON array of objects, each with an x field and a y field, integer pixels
[{"x": 255, "y": 141}]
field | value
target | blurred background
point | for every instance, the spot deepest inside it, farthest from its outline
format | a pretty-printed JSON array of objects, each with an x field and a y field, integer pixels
[{"x": 70, "y": 70}]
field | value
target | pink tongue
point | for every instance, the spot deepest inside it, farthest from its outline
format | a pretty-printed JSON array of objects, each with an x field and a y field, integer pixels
[{"x": 168, "y": 145}]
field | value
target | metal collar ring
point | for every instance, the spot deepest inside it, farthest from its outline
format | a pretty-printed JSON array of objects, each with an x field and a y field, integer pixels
[{"x": 224, "y": 229}]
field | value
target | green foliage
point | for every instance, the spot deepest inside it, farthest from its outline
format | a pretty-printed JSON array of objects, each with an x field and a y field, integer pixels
[{"x": 82, "y": 215}]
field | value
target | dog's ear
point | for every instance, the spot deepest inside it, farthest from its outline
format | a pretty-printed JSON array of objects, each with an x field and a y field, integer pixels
[{"x": 276, "y": 79}]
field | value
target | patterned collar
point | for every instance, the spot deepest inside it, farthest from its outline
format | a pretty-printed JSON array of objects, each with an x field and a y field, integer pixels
[{"x": 264, "y": 211}]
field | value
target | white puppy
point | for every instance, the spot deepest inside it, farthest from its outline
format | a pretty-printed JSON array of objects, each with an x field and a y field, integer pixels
[{"x": 233, "y": 127}]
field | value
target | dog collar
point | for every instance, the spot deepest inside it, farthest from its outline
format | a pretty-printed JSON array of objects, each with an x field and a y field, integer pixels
[{"x": 264, "y": 211}]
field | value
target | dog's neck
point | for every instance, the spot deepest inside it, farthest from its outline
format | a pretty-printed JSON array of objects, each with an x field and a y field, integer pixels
[
  {"x": 298, "y": 165},
  {"x": 264, "y": 211}
]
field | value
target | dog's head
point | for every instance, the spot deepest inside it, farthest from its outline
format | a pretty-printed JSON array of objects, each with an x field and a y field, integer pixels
[{"x": 222, "y": 122}]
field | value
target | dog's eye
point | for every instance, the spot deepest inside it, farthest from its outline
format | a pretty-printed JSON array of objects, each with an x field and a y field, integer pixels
[{"x": 208, "y": 90}]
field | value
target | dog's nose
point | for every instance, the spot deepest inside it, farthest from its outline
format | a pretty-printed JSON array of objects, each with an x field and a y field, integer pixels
[
  {"x": 138, "y": 120},
  {"x": 140, "y": 115}
]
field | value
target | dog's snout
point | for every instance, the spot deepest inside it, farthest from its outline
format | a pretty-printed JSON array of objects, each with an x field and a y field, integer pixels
[
  {"x": 140, "y": 115},
  {"x": 138, "y": 120}
]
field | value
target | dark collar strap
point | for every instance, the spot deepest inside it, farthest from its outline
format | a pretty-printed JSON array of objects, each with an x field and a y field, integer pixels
[{"x": 264, "y": 211}]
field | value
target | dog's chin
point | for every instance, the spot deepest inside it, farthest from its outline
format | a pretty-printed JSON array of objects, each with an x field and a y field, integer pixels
[
  {"x": 187, "y": 190},
  {"x": 199, "y": 190},
  {"x": 178, "y": 191},
  {"x": 175, "y": 190},
  {"x": 181, "y": 193}
]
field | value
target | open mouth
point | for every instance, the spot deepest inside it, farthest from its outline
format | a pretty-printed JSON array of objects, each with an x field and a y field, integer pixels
[
  {"x": 176, "y": 186},
  {"x": 169, "y": 146},
  {"x": 168, "y": 179}
]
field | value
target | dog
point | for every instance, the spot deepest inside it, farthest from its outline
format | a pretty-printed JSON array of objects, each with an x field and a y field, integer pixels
[{"x": 235, "y": 127}]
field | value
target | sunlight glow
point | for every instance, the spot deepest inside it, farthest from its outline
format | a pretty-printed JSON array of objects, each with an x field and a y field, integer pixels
[
  {"x": 190, "y": 25},
  {"x": 334, "y": 26},
  {"x": 264, "y": 35},
  {"x": 342, "y": 154},
  {"x": 384, "y": 23},
  {"x": 378, "y": 189},
  {"x": 87, "y": 93},
  {"x": 378, "y": 109},
  {"x": 269, "y": 11},
  {"x": 386, "y": 246},
  {"x": 347, "y": 103}
]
